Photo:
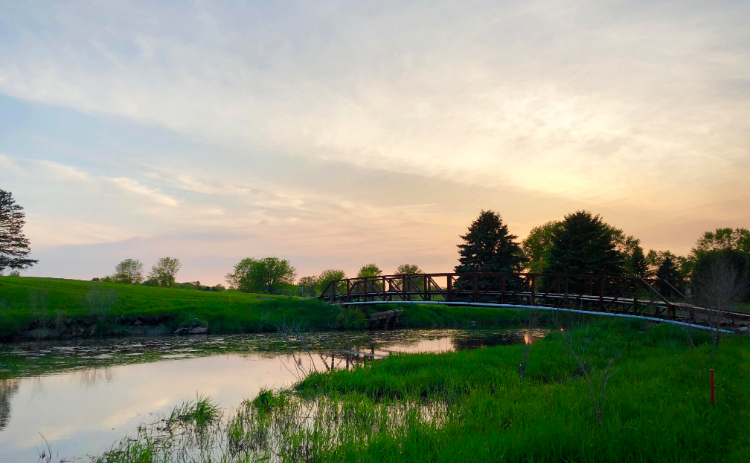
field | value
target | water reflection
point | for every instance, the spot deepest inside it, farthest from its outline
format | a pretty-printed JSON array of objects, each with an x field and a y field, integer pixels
[
  {"x": 504, "y": 338},
  {"x": 8, "y": 387},
  {"x": 84, "y": 396}
]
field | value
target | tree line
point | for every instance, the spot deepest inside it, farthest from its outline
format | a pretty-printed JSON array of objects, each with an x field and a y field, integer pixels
[{"x": 581, "y": 243}]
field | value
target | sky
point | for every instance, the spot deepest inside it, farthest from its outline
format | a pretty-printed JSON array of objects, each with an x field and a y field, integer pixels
[{"x": 339, "y": 133}]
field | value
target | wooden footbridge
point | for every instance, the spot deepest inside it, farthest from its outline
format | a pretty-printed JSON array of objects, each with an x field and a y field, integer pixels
[{"x": 607, "y": 295}]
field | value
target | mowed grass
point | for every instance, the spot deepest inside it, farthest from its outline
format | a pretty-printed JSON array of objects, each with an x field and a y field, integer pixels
[
  {"x": 29, "y": 302},
  {"x": 64, "y": 308}
]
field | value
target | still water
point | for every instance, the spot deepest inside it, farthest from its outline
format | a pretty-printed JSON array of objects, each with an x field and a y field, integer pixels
[{"x": 79, "y": 398}]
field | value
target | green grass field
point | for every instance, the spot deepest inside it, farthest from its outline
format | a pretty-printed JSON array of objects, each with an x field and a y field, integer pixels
[
  {"x": 50, "y": 308},
  {"x": 473, "y": 406}
]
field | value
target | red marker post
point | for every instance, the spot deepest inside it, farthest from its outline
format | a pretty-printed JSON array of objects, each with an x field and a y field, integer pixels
[{"x": 713, "y": 397}]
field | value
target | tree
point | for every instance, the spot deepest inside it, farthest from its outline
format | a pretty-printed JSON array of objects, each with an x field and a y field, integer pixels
[
  {"x": 489, "y": 247},
  {"x": 718, "y": 285},
  {"x": 327, "y": 276},
  {"x": 369, "y": 270},
  {"x": 638, "y": 265},
  {"x": 408, "y": 269},
  {"x": 537, "y": 245},
  {"x": 14, "y": 247},
  {"x": 165, "y": 270},
  {"x": 261, "y": 275},
  {"x": 629, "y": 247},
  {"x": 722, "y": 239},
  {"x": 654, "y": 260},
  {"x": 584, "y": 245},
  {"x": 309, "y": 286},
  {"x": 668, "y": 273},
  {"x": 129, "y": 271}
]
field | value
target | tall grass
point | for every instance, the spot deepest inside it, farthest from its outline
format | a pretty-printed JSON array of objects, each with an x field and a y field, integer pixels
[{"x": 472, "y": 406}]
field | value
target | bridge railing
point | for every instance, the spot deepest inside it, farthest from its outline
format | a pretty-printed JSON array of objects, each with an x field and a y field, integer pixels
[{"x": 594, "y": 291}]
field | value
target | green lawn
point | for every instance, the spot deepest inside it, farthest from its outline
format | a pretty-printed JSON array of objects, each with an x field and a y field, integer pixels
[
  {"x": 67, "y": 305},
  {"x": 51, "y": 308}
]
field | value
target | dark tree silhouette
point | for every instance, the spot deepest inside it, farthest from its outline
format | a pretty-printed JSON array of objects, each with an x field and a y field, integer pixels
[
  {"x": 14, "y": 247},
  {"x": 668, "y": 273},
  {"x": 584, "y": 245},
  {"x": 489, "y": 247},
  {"x": 638, "y": 263}
]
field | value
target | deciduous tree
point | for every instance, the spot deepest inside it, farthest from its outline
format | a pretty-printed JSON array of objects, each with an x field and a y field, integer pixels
[
  {"x": 407, "y": 269},
  {"x": 261, "y": 275},
  {"x": 327, "y": 276},
  {"x": 164, "y": 271},
  {"x": 369, "y": 270},
  {"x": 129, "y": 271},
  {"x": 309, "y": 286},
  {"x": 537, "y": 246}
]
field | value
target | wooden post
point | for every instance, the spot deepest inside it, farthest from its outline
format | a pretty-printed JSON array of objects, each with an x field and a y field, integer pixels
[
  {"x": 502, "y": 289},
  {"x": 601, "y": 294},
  {"x": 635, "y": 298},
  {"x": 403, "y": 288},
  {"x": 533, "y": 289},
  {"x": 348, "y": 291},
  {"x": 475, "y": 286},
  {"x": 425, "y": 288},
  {"x": 449, "y": 289},
  {"x": 385, "y": 296}
]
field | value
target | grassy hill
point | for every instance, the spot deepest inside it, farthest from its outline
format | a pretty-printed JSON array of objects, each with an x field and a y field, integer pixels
[
  {"x": 50, "y": 307},
  {"x": 39, "y": 308}
]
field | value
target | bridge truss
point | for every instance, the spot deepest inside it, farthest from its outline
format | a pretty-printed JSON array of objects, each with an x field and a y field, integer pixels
[{"x": 648, "y": 298}]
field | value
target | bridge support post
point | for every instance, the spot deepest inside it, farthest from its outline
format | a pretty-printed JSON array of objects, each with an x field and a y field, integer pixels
[
  {"x": 601, "y": 294},
  {"x": 502, "y": 289},
  {"x": 449, "y": 289},
  {"x": 533, "y": 290},
  {"x": 475, "y": 287}
]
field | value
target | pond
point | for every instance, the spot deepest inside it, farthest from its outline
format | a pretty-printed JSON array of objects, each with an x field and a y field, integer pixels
[{"x": 78, "y": 398}]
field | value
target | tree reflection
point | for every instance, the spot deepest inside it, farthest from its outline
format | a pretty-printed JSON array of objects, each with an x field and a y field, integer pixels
[{"x": 8, "y": 387}]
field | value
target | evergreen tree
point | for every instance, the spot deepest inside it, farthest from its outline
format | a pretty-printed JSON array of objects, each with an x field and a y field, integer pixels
[
  {"x": 584, "y": 245},
  {"x": 638, "y": 263},
  {"x": 668, "y": 272},
  {"x": 489, "y": 247},
  {"x": 14, "y": 247}
]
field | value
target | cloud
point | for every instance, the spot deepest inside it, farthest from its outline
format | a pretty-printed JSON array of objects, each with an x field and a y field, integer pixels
[
  {"x": 591, "y": 100},
  {"x": 131, "y": 186}
]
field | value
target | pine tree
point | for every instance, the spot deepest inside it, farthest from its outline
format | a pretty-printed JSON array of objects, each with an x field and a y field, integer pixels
[
  {"x": 668, "y": 273},
  {"x": 584, "y": 245},
  {"x": 14, "y": 247},
  {"x": 638, "y": 263},
  {"x": 489, "y": 247}
]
